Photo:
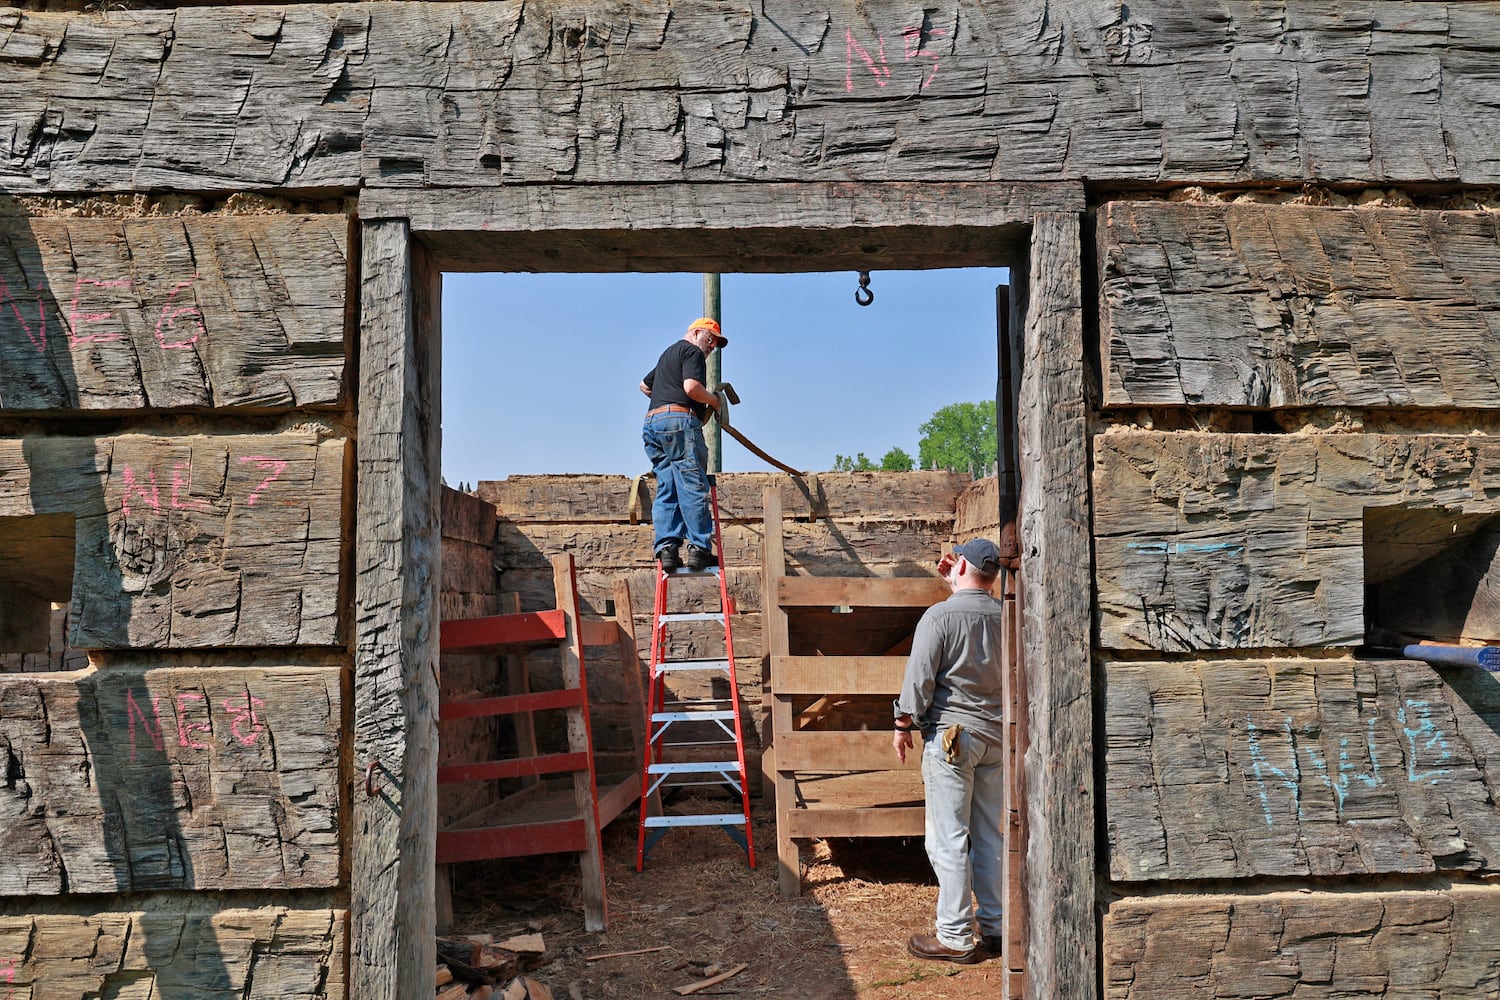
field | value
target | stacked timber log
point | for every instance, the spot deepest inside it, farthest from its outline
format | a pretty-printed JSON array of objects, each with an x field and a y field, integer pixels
[
  {"x": 1343, "y": 364},
  {"x": 174, "y": 605}
]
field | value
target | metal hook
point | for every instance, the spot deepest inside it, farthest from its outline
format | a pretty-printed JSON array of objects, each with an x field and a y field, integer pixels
[
  {"x": 372, "y": 786},
  {"x": 862, "y": 294}
]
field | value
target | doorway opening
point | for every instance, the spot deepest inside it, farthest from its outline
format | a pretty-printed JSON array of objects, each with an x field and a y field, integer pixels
[{"x": 539, "y": 390}]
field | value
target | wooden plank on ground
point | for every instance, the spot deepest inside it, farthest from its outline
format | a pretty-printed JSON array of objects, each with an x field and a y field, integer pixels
[
  {"x": 843, "y": 751},
  {"x": 396, "y": 567},
  {"x": 206, "y": 954},
  {"x": 159, "y": 313},
  {"x": 1295, "y": 305},
  {"x": 902, "y": 821},
  {"x": 1435, "y": 943},
  {"x": 205, "y": 540},
  {"x": 1055, "y": 626},
  {"x": 195, "y": 778},
  {"x": 861, "y": 592},
  {"x": 837, "y": 674},
  {"x": 1219, "y": 541},
  {"x": 1250, "y": 768}
]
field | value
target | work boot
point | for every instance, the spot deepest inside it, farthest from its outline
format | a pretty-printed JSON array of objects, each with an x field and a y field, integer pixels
[
  {"x": 700, "y": 558},
  {"x": 669, "y": 557},
  {"x": 929, "y": 947}
]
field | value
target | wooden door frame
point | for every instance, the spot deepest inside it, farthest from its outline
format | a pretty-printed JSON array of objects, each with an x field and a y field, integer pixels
[{"x": 410, "y": 236}]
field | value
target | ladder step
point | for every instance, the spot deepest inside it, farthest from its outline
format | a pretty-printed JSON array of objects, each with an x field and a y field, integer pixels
[
  {"x": 683, "y": 571},
  {"x": 694, "y": 616},
  {"x": 666, "y": 665},
  {"x": 695, "y": 767},
  {"x": 705, "y": 819},
  {"x": 690, "y": 716}
]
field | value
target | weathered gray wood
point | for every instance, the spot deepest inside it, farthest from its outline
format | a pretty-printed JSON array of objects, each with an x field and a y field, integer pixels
[
  {"x": 471, "y": 95},
  {"x": 230, "y": 954},
  {"x": 585, "y": 789},
  {"x": 1232, "y": 769},
  {"x": 467, "y": 518},
  {"x": 1322, "y": 946},
  {"x": 895, "y": 546},
  {"x": 767, "y": 228},
  {"x": 1290, "y": 305},
  {"x": 1053, "y": 439},
  {"x": 1214, "y": 541},
  {"x": 223, "y": 540},
  {"x": 124, "y": 780},
  {"x": 396, "y": 556},
  {"x": 583, "y": 499},
  {"x": 194, "y": 311}
]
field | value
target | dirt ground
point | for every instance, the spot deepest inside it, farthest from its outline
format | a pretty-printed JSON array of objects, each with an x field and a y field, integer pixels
[{"x": 844, "y": 939}]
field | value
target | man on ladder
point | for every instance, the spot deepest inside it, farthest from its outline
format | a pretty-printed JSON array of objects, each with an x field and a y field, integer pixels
[
  {"x": 673, "y": 436},
  {"x": 681, "y": 730}
]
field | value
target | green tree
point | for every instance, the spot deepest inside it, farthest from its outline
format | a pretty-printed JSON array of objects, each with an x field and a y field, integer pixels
[
  {"x": 859, "y": 463},
  {"x": 896, "y": 460},
  {"x": 960, "y": 437}
]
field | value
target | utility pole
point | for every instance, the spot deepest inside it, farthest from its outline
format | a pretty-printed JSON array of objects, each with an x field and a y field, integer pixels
[{"x": 712, "y": 309}]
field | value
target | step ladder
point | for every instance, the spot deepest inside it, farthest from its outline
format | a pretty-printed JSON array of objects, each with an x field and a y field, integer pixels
[{"x": 680, "y": 730}]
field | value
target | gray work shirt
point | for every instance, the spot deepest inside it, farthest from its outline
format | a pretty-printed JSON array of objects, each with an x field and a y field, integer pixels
[{"x": 953, "y": 673}]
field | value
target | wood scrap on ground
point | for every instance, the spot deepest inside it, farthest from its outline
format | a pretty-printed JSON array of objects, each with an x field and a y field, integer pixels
[{"x": 704, "y": 984}]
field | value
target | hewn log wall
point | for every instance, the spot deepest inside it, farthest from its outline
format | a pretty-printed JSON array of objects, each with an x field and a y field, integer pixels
[
  {"x": 226, "y": 954},
  {"x": 158, "y": 313},
  {"x": 340, "y": 95},
  {"x": 1296, "y": 761},
  {"x": 194, "y": 567}
]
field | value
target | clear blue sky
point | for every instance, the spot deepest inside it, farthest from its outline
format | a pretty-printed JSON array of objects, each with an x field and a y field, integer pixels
[{"x": 540, "y": 370}]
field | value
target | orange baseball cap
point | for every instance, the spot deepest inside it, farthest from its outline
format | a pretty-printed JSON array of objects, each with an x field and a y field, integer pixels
[{"x": 705, "y": 323}]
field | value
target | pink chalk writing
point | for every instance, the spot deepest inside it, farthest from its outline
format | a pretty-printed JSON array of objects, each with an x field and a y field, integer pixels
[
  {"x": 8, "y": 974},
  {"x": 186, "y": 728},
  {"x": 151, "y": 725},
  {"x": 170, "y": 314},
  {"x": 179, "y": 324},
  {"x": 77, "y": 319},
  {"x": 276, "y": 466},
  {"x": 879, "y": 70},
  {"x": 913, "y": 46},
  {"x": 141, "y": 488},
  {"x": 37, "y": 333},
  {"x": 182, "y": 474},
  {"x": 242, "y": 710},
  {"x": 152, "y": 497},
  {"x": 189, "y": 714}
]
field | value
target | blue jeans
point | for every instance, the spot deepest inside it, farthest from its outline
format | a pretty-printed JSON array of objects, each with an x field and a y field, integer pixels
[
  {"x": 964, "y": 841},
  {"x": 679, "y": 457}
]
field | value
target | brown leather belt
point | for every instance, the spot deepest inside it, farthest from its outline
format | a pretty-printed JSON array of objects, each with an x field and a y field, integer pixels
[{"x": 669, "y": 408}]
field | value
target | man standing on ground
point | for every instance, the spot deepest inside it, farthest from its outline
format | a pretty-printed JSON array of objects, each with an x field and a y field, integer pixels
[
  {"x": 673, "y": 435},
  {"x": 951, "y": 693}
]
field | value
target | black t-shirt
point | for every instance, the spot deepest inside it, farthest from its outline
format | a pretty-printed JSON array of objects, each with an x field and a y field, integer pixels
[{"x": 677, "y": 364}]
